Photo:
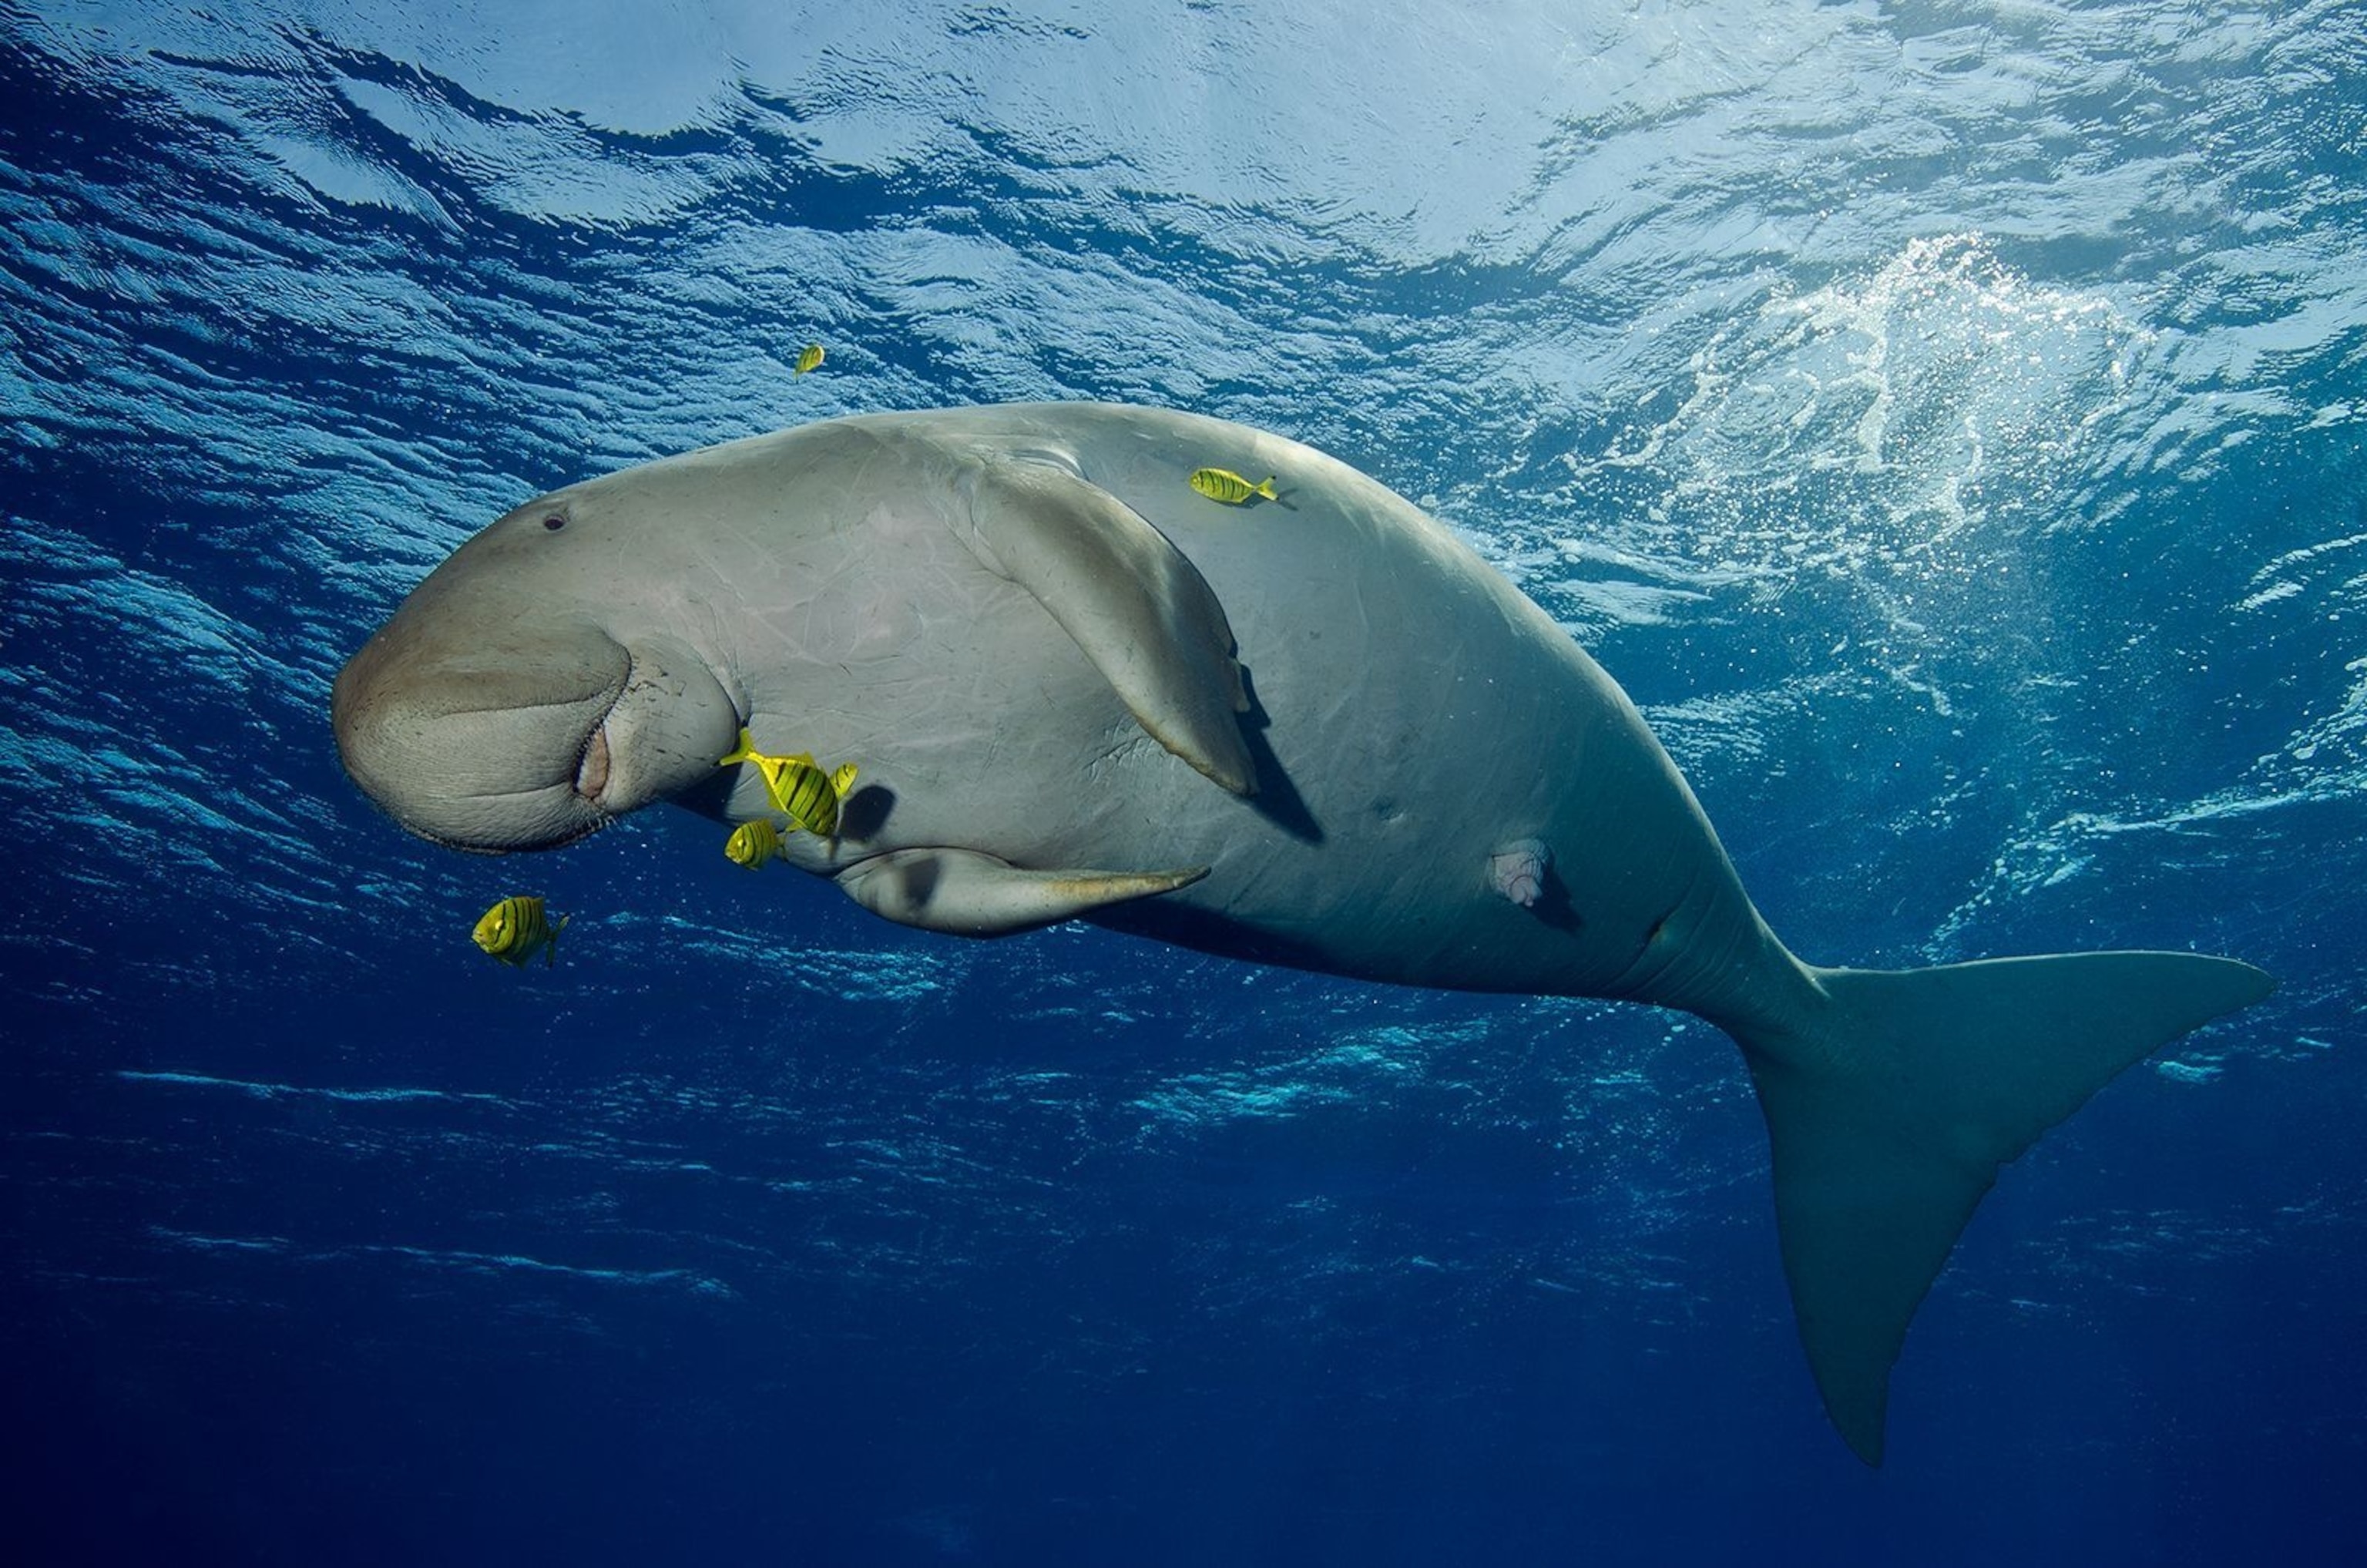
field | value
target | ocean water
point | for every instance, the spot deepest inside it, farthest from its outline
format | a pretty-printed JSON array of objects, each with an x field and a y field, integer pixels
[{"x": 1946, "y": 419}]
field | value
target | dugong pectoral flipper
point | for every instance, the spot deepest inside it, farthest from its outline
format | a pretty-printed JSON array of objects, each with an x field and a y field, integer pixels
[
  {"x": 1140, "y": 610},
  {"x": 965, "y": 893},
  {"x": 1890, "y": 1115}
]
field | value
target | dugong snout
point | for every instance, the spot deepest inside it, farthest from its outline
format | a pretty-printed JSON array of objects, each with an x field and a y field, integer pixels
[
  {"x": 523, "y": 740},
  {"x": 481, "y": 746}
]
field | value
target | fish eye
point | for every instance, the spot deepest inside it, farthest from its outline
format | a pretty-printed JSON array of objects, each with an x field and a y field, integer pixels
[{"x": 554, "y": 522}]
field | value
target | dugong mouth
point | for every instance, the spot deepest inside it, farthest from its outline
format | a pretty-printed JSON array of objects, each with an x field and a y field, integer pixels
[{"x": 592, "y": 770}]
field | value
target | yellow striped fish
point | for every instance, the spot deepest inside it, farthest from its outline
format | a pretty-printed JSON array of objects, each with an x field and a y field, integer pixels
[
  {"x": 1224, "y": 485},
  {"x": 752, "y": 843},
  {"x": 808, "y": 357},
  {"x": 808, "y": 797},
  {"x": 515, "y": 930}
]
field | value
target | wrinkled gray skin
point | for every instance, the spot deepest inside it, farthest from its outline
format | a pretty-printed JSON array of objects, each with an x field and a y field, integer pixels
[
  {"x": 1413, "y": 711},
  {"x": 1316, "y": 732}
]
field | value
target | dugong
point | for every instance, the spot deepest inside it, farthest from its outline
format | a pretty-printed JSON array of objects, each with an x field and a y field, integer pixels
[{"x": 1316, "y": 730}]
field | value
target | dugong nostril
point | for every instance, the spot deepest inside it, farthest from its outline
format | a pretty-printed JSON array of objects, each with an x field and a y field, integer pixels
[{"x": 592, "y": 773}]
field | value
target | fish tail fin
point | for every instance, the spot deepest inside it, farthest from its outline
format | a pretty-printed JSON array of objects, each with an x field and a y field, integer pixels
[
  {"x": 550, "y": 951},
  {"x": 1890, "y": 1113},
  {"x": 1265, "y": 487},
  {"x": 844, "y": 779},
  {"x": 745, "y": 752}
]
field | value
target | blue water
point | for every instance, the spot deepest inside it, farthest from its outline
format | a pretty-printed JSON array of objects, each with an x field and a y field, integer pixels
[{"x": 1944, "y": 418}]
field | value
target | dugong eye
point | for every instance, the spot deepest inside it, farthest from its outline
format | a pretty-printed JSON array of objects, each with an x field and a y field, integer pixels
[{"x": 554, "y": 522}]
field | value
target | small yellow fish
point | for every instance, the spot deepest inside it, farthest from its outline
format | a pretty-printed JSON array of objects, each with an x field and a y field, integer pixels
[
  {"x": 1224, "y": 485},
  {"x": 808, "y": 797},
  {"x": 808, "y": 357},
  {"x": 515, "y": 930},
  {"x": 752, "y": 843}
]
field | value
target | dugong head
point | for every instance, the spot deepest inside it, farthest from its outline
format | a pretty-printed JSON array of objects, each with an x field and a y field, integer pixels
[{"x": 541, "y": 683}]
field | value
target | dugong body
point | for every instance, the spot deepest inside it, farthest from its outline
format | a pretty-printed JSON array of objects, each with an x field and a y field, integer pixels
[{"x": 1316, "y": 730}]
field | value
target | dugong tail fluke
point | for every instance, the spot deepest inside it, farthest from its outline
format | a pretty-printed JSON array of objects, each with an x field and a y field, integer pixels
[{"x": 1891, "y": 1114}]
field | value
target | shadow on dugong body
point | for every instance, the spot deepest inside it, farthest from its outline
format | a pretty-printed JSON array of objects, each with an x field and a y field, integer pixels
[{"x": 1323, "y": 734}]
